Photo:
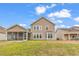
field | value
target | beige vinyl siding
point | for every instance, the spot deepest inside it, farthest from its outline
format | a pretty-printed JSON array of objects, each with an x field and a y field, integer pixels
[{"x": 45, "y": 26}]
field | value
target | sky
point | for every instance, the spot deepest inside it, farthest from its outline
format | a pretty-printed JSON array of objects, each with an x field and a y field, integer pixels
[{"x": 64, "y": 15}]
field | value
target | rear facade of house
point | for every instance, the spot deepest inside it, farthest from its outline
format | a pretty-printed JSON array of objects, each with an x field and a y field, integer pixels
[{"x": 41, "y": 29}]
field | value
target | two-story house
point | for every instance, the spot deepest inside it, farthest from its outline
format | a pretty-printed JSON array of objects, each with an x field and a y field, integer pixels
[{"x": 42, "y": 29}]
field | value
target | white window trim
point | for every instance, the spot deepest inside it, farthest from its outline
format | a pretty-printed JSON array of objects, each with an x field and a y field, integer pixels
[
  {"x": 40, "y": 27},
  {"x": 35, "y": 34},
  {"x": 35, "y": 27},
  {"x": 46, "y": 26},
  {"x": 48, "y": 34}
]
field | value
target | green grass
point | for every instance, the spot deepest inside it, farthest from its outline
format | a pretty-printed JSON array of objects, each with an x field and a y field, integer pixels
[{"x": 38, "y": 48}]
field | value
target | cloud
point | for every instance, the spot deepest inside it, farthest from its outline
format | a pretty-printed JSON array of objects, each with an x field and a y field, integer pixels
[
  {"x": 51, "y": 6},
  {"x": 76, "y": 25},
  {"x": 51, "y": 15},
  {"x": 22, "y": 25},
  {"x": 76, "y": 19},
  {"x": 62, "y": 26},
  {"x": 59, "y": 21},
  {"x": 40, "y": 9},
  {"x": 64, "y": 13},
  {"x": 52, "y": 20}
]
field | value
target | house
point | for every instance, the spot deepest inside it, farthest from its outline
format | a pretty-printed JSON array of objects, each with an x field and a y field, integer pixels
[
  {"x": 2, "y": 33},
  {"x": 17, "y": 32},
  {"x": 67, "y": 33},
  {"x": 42, "y": 29}
]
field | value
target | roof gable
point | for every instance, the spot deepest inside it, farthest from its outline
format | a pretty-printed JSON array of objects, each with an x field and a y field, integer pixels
[
  {"x": 41, "y": 19},
  {"x": 16, "y": 28}
]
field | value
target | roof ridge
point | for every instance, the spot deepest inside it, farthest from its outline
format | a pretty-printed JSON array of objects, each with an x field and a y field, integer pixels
[{"x": 42, "y": 18}]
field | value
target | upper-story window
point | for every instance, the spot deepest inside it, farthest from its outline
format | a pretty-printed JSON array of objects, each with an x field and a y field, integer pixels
[
  {"x": 37, "y": 27},
  {"x": 46, "y": 27}
]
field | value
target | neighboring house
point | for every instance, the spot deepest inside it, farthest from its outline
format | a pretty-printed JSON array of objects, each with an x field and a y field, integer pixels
[
  {"x": 42, "y": 29},
  {"x": 67, "y": 33},
  {"x": 2, "y": 33},
  {"x": 17, "y": 32}
]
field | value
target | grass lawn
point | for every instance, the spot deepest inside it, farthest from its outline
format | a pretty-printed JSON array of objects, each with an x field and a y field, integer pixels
[{"x": 39, "y": 48}]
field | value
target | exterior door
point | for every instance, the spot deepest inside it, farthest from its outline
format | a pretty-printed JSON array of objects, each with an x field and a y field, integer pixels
[
  {"x": 29, "y": 36},
  {"x": 20, "y": 36},
  {"x": 15, "y": 36}
]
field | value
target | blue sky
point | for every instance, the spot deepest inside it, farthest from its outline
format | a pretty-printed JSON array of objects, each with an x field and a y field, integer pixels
[{"x": 63, "y": 15}]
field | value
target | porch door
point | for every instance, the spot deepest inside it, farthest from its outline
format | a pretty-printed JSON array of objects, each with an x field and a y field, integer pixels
[
  {"x": 15, "y": 36},
  {"x": 29, "y": 36},
  {"x": 20, "y": 36}
]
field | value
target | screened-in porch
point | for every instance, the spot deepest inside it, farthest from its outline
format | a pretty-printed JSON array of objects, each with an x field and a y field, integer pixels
[{"x": 16, "y": 35}]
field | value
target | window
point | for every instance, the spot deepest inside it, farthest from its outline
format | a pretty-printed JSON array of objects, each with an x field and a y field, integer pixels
[
  {"x": 46, "y": 27},
  {"x": 37, "y": 27},
  {"x": 37, "y": 36},
  {"x": 40, "y": 27},
  {"x": 34, "y": 27},
  {"x": 40, "y": 36},
  {"x": 49, "y": 35},
  {"x": 34, "y": 36}
]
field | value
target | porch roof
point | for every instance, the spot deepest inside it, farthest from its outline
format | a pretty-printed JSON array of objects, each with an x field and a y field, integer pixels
[{"x": 16, "y": 28}]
